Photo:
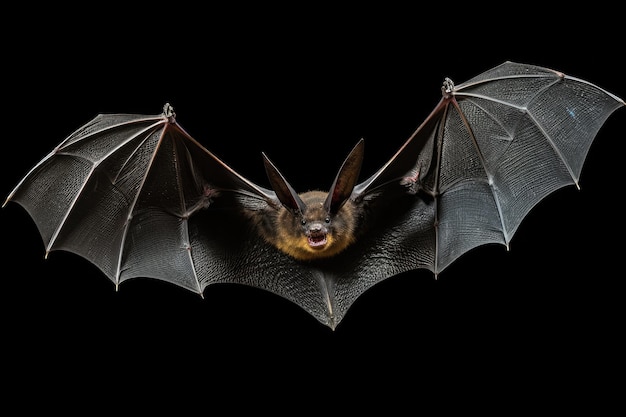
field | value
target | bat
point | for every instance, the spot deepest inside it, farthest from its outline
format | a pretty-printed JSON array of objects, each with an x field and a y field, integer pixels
[{"x": 138, "y": 196}]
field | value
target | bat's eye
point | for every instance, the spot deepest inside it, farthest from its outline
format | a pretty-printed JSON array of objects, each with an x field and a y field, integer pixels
[
  {"x": 327, "y": 219},
  {"x": 303, "y": 221}
]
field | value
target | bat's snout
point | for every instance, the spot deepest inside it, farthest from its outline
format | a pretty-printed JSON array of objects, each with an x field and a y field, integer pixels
[{"x": 317, "y": 235}]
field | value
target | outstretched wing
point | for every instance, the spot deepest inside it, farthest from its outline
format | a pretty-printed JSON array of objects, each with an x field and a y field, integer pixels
[
  {"x": 139, "y": 197},
  {"x": 120, "y": 192},
  {"x": 492, "y": 149}
]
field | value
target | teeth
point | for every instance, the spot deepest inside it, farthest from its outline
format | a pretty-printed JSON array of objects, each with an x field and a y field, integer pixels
[{"x": 317, "y": 241}]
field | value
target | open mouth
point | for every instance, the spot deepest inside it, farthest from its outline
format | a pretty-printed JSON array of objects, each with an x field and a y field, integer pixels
[{"x": 317, "y": 240}]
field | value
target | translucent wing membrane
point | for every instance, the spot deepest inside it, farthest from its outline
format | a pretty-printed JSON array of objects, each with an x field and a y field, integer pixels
[
  {"x": 120, "y": 191},
  {"x": 501, "y": 142}
]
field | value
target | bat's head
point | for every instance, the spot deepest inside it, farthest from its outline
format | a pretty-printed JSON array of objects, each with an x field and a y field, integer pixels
[{"x": 317, "y": 224}]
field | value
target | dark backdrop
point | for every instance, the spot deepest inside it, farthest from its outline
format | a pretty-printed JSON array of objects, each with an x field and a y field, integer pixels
[{"x": 514, "y": 325}]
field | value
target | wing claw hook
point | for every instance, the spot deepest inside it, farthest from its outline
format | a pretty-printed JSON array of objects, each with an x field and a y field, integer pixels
[
  {"x": 168, "y": 111},
  {"x": 447, "y": 88}
]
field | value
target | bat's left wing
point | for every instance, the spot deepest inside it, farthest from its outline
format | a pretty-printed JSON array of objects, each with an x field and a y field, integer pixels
[{"x": 492, "y": 149}]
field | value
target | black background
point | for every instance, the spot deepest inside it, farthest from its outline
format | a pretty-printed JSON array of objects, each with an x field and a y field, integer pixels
[{"x": 541, "y": 323}]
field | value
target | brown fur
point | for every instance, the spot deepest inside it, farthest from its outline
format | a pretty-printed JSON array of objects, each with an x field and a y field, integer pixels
[{"x": 286, "y": 231}]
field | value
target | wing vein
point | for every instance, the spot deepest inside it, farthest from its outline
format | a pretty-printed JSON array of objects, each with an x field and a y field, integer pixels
[
  {"x": 460, "y": 87},
  {"x": 183, "y": 207},
  {"x": 132, "y": 205},
  {"x": 94, "y": 166},
  {"x": 77, "y": 137},
  {"x": 488, "y": 174}
]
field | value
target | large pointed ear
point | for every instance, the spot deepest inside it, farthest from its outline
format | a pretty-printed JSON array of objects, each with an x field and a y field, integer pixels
[
  {"x": 285, "y": 193},
  {"x": 346, "y": 179}
]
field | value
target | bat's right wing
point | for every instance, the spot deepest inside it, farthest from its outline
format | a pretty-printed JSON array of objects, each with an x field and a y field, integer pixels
[
  {"x": 137, "y": 196},
  {"x": 120, "y": 192}
]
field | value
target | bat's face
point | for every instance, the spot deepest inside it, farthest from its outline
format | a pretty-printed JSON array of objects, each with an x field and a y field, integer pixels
[
  {"x": 315, "y": 233},
  {"x": 314, "y": 224}
]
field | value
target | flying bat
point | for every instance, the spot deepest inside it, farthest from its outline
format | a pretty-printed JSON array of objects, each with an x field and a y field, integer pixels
[{"x": 138, "y": 196}]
